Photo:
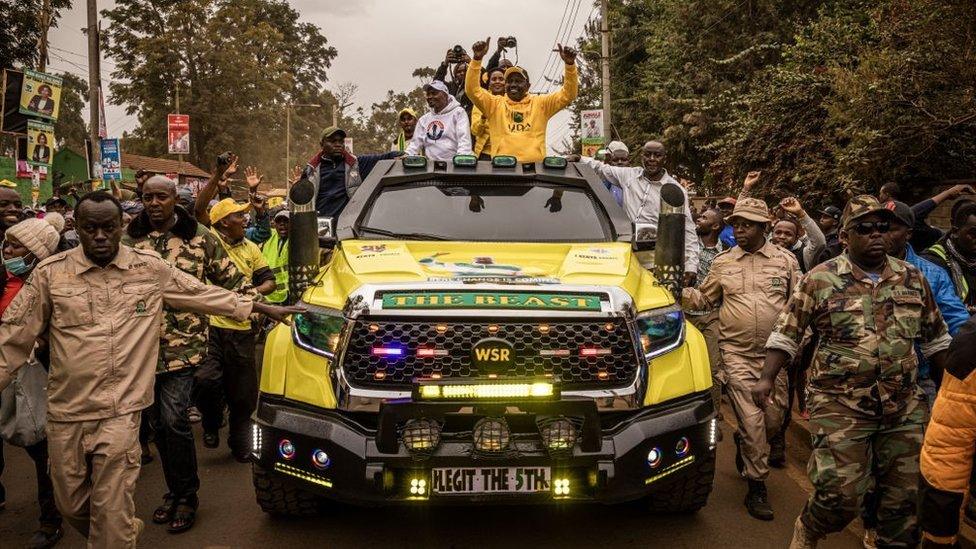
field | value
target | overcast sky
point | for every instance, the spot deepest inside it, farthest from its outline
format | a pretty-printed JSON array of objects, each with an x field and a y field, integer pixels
[{"x": 380, "y": 42}]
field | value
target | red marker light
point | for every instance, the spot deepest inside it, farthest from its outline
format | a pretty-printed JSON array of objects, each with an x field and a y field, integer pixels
[
  {"x": 430, "y": 353},
  {"x": 594, "y": 351}
]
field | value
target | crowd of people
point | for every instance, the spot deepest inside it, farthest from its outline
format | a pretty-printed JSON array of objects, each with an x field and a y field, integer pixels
[{"x": 858, "y": 320}]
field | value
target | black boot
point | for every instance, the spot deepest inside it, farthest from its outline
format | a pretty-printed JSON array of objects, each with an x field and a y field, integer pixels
[
  {"x": 777, "y": 451},
  {"x": 757, "y": 502},
  {"x": 46, "y": 536},
  {"x": 740, "y": 465}
]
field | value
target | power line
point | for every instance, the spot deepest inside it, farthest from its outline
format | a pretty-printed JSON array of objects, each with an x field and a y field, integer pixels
[
  {"x": 550, "y": 79},
  {"x": 554, "y": 40},
  {"x": 553, "y": 71}
]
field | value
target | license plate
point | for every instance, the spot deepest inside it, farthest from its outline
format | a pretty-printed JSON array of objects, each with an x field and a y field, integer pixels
[{"x": 490, "y": 480}]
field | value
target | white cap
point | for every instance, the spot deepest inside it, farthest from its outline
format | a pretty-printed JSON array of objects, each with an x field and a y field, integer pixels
[
  {"x": 617, "y": 146},
  {"x": 438, "y": 85}
]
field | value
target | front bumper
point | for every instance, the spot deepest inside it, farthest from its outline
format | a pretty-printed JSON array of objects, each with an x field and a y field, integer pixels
[{"x": 608, "y": 465}]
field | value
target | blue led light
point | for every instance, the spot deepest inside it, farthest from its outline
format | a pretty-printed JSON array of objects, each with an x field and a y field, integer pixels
[
  {"x": 682, "y": 447},
  {"x": 394, "y": 352},
  {"x": 320, "y": 459},
  {"x": 286, "y": 449},
  {"x": 654, "y": 457}
]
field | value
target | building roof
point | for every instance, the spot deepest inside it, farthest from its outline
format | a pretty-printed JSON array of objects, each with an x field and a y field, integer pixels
[{"x": 137, "y": 162}]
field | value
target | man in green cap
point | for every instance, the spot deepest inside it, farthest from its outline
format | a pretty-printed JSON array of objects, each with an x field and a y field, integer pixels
[
  {"x": 337, "y": 173},
  {"x": 867, "y": 412}
]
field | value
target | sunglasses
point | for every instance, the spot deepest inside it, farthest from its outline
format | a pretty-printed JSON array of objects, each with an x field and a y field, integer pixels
[{"x": 868, "y": 227}]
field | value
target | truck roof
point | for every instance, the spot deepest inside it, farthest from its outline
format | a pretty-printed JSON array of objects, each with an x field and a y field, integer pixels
[{"x": 394, "y": 172}]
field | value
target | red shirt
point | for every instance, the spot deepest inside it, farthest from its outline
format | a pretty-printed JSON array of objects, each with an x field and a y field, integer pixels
[{"x": 10, "y": 289}]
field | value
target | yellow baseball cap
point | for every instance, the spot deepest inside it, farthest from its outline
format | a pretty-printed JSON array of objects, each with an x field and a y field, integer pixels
[
  {"x": 516, "y": 70},
  {"x": 7, "y": 183},
  {"x": 226, "y": 207}
]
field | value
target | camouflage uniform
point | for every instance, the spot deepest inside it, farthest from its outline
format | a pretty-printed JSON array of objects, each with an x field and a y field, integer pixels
[
  {"x": 193, "y": 249},
  {"x": 183, "y": 336},
  {"x": 867, "y": 411}
]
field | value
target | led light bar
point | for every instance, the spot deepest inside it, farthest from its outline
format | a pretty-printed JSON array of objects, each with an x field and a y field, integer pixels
[
  {"x": 465, "y": 160},
  {"x": 554, "y": 352},
  {"x": 504, "y": 161},
  {"x": 491, "y": 390},
  {"x": 430, "y": 353},
  {"x": 594, "y": 351},
  {"x": 387, "y": 351},
  {"x": 556, "y": 162},
  {"x": 414, "y": 161}
]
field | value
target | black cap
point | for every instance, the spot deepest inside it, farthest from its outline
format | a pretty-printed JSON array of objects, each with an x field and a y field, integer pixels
[
  {"x": 903, "y": 213},
  {"x": 832, "y": 211},
  {"x": 55, "y": 201}
]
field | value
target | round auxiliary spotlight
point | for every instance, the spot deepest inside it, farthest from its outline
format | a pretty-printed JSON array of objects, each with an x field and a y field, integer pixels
[
  {"x": 421, "y": 436},
  {"x": 286, "y": 449},
  {"x": 491, "y": 435},
  {"x": 682, "y": 447},
  {"x": 320, "y": 459},
  {"x": 654, "y": 457}
]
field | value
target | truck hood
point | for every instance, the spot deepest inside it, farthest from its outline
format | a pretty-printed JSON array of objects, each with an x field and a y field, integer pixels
[{"x": 546, "y": 266}]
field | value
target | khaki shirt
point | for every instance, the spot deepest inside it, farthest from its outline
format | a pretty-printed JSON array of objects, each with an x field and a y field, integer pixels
[
  {"x": 102, "y": 325},
  {"x": 750, "y": 290}
]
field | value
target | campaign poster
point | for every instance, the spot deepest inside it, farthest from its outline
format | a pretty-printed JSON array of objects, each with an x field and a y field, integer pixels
[
  {"x": 40, "y": 143},
  {"x": 40, "y": 95},
  {"x": 178, "y": 133},
  {"x": 591, "y": 127},
  {"x": 111, "y": 160}
]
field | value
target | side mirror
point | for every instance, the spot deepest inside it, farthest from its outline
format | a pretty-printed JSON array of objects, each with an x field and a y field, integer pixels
[
  {"x": 643, "y": 237},
  {"x": 326, "y": 230}
]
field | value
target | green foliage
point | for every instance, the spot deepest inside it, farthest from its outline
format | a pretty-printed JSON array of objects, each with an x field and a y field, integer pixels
[
  {"x": 20, "y": 30},
  {"x": 237, "y": 63},
  {"x": 827, "y": 98},
  {"x": 71, "y": 129},
  {"x": 377, "y": 130}
]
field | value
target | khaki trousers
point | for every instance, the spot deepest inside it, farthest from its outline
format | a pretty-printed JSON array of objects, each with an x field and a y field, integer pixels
[
  {"x": 707, "y": 324},
  {"x": 94, "y": 467},
  {"x": 755, "y": 425}
]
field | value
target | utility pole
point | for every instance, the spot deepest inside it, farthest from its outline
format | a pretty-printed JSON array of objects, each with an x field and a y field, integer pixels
[
  {"x": 605, "y": 65},
  {"x": 94, "y": 84},
  {"x": 335, "y": 114},
  {"x": 45, "y": 23},
  {"x": 179, "y": 156}
]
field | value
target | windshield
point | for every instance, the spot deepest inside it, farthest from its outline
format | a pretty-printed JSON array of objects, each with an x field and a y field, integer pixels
[{"x": 503, "y": 212}]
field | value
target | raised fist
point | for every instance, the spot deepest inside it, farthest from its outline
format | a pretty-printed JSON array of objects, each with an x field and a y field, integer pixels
[{"x": 480, "y": 48}]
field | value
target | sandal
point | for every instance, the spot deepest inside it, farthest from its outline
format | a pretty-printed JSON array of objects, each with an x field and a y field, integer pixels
[
  {"x": 164, "y": 513},
  {"x": 184, "y": 516}
]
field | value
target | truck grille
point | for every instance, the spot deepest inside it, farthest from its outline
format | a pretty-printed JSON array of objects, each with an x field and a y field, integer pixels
[{"x": 588, "y": 354}]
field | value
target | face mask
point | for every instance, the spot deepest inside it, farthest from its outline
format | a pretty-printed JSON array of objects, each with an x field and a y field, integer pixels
[{"x": 17, "y": 266}]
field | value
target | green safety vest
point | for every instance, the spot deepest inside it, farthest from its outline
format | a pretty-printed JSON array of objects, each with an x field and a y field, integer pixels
[
  {"x": 277, "y": 257},
  {"x": 962, "y": 287}
]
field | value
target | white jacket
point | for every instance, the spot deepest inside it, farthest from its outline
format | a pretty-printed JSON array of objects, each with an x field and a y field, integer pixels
[{"x": 440, "y": 136}]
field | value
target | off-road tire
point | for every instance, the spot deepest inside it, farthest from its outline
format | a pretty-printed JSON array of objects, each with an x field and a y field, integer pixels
[
  {"x": 281, "y": 498},
  {"x": 687, "y": 493}
]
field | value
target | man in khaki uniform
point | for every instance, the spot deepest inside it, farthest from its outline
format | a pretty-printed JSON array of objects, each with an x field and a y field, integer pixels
[
  {"x": 750, "y": 284},
  {"x": 100, "y": 307}
]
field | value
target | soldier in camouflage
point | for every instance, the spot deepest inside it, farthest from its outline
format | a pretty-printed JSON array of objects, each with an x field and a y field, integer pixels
[
  {"x": 867, "y": 411},
  {"x": 172, "y": 232}
]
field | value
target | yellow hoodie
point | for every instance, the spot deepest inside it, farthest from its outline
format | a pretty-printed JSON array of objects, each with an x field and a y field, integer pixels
[{"x": 518, "y": 128}]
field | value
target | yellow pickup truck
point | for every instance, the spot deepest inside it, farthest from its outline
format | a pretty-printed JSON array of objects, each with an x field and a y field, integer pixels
[{"x": 482, "y": 332}]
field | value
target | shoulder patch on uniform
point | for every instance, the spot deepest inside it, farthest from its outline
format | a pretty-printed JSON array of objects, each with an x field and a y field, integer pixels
[
  {"x": 60, "y": 256},
  {"x": 144, "y": 251}
]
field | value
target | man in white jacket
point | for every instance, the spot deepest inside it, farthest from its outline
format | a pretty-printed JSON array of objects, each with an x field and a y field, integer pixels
[{"x": 445, "y": 130}]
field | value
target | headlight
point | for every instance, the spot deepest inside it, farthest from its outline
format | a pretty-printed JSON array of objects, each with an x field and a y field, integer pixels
[
  {"x": 660, "y": 331},
  {"x": 318, "y": 330}
]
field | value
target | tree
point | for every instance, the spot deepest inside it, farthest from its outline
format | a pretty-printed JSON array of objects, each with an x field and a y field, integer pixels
[
  {"x": 238, "y": 64},
  {"x": 70, "y": 130},
  {"x": 377, "y": 130},
  {"x": 21, "y": 29}
]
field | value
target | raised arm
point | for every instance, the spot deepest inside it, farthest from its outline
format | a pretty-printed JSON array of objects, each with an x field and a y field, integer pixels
[
  {"x": 472, "y": 79},
  {"x": 209, "y": 191},
  {"x": 561, "y": 98},
  {"x": 816, "y": 239}
]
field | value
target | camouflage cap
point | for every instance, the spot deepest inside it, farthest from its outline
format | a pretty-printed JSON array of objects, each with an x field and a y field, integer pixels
[
  {"x": 863, "y": 205},
  {"x": 752, "y": 209}
]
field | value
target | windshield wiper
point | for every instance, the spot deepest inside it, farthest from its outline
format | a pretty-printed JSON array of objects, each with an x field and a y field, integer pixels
[{"x": 392, "y": 234}]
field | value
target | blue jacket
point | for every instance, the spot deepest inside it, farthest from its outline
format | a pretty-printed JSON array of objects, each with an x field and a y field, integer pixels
[
  {"x": 727, "y": 237},
  {"x": 334, "y": 184},
  {"x": 953, "y": 311}
]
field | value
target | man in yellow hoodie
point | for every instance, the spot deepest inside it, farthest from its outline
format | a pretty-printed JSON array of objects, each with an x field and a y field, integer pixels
[{"x": 517, "y": 121}]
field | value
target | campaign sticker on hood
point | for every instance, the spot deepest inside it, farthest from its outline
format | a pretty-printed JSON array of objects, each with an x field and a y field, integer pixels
[
  {"x": 610, "y": 259},
  {"x": 375, "y": 257},
  {"x": 481, "y": 269}
]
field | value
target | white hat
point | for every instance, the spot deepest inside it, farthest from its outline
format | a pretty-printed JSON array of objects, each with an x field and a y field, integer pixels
[
  {"x": 617, "y": 146},
  {"x": 37, "y": 235},
  {"x": 438, "y": 85}
]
